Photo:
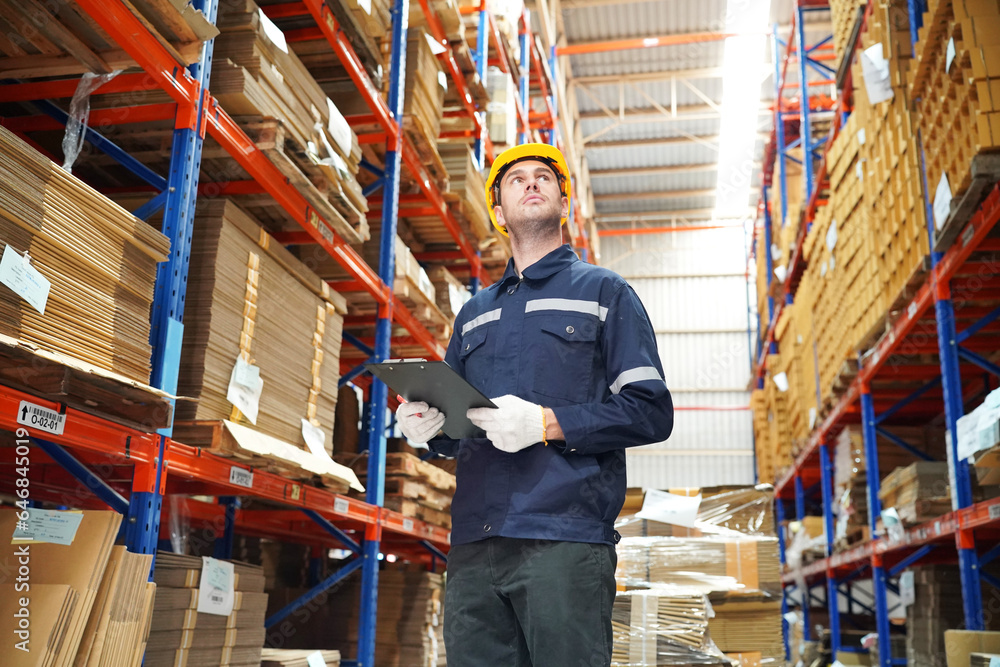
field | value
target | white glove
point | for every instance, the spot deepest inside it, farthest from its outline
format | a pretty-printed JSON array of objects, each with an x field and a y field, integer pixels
[
  {"x": 511, "y": 426},
  {"x": 418, "y": 421}
]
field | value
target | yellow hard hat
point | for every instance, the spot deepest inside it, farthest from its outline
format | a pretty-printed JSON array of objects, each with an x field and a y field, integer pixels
[{"x": 541, "y": 152}]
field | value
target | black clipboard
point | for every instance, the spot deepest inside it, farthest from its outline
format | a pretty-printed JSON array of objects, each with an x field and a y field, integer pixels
[{"x": 437, "y": 384}]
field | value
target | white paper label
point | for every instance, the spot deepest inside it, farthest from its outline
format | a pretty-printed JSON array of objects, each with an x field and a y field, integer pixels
[
  {"x": 775, "y": 252},
  {"x": 215, "y": 591},
  {"x": 43, "y": 419},
  {"x": 949, "y": 55},
  {"x": 780, "y": 272},
  {"x": 812, "y": 418},
  {"x": 791, "y": 618},
  {"x": 907, "y": 594},
  {"x": 994, "y": 511},
  {"x": 994, "y": 661},
  {"x": 241, "y": 477},
  {"x": 315, "y": 438},
  {"x": 859, "y": 170},
  {"x": 911, "y": 310},
  {"x": 670, "y": 508},
  {"x": 437, "y": 48},
  {"x": 51, "y": 526},
  {"x": 875, "y": 69},
  {"x": 781, "y": 381},
  {"x": 869, "y": 640},
  {"x": 831, "y": 236},
  {"x": 273, "y": 32},
  {"x": 366, "y": 5},
  {"x": 245, "y": 387},
  {"x": 338, "y": 128},
  {"x": 942, "y": 201},
  {"x": 893, "y": 526},
  {"x": 17, "y": 273},
  {"x": 862, "y": 137},
  {"x": 407, "y": 524},
  {"x": 822, "y": 270},
  {"x": 833, "y": 262},
  {"x": 315, "y": 660},
  {"x": 443, "y": 80},
  {"x": 341, "y": 505}
]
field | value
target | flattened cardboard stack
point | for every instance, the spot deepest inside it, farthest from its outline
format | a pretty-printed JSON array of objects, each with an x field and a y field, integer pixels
[
  {"x": 414, "y": 488},
  {"x": 662, "y": 627},
  {"x": 71, "y": 594},
  {"x": 723, "y": 509},
  {"x": 748, "y": 624},
  {"x": 918, "y": 492},
  {"x": 936, "y": 607},
  {"x": 99, "y": 258},
  {"x": 183, "y": 637},
  {"x": 449, "y": 291},
  {"x": 249, "y": 298},
  {"x": 276, "y": 657},
  {"x": 264, "y": 85},
  {"x": 466, "y": 191},
  {"x": 423, "y": 105}
]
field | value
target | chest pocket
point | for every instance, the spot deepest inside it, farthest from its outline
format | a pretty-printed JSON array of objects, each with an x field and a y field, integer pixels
[
  {"x": 476, "y": 359},
  {"x": 565, "y": 354}
]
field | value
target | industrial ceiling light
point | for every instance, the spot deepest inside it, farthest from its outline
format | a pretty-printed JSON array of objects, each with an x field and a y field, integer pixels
[{"x": 741, "y": 85}]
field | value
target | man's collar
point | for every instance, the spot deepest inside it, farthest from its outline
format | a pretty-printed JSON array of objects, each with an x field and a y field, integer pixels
[{"x": 552, "y": 263}]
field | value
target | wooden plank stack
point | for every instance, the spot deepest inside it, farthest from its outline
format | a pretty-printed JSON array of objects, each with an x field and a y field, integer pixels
[
  {"x": 414, "y": 488},
  {"x": 662, "y": 627},
  {"x": 99, "y": 258},
  {"x": 956, "y": 85},
  {"x": 264, "y": 85},
  {"x": 184, "y": 637},
  {"x": 249, "y": 298},
  {"x": 58, "y": 38}
]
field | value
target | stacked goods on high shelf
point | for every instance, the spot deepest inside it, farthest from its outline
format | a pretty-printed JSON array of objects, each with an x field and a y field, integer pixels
[
  {"x": 850, "y": 488},
  {"x": 207, "y": 612},
  {"x": 786, "y": 211},
  {"x": 729, "y": 554},
  {"x": 843, "y": 15},
  {"x": 760, "y": 256},
  {"x": 409, "y": 623},
  {"x": 450, "y": 293},
  {"x": 58, "y": 38},
  {"x": 277, "y": 657},
  {"x": 796, "y": 361},
  {"x": 918, "y": 492},
  {"x": 414, "y": 488},
  {"x": 956, "y": 86},
  {"x": 501, "y": 112},
  {"x": 261, "y": 343},
  {"x": 936, "y": 607},
  {"x": 275, "y": 99},
  {"x": 893, "y": 190},
  {"x": 88, "y": 285},
  {"x": 466, "y": 192},
  {"x": 979, "y": 439},
  {"x": 88, "y": 602},
  {"x": 772, "y": 434}
]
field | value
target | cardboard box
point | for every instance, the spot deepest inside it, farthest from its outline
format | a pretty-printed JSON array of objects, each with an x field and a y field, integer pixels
[{"x": 960, "y": 643}]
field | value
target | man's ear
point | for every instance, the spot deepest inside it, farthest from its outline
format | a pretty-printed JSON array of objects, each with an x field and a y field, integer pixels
[
  {"x": 498, "y": 212},
  {"x": 565, "y": 207}
]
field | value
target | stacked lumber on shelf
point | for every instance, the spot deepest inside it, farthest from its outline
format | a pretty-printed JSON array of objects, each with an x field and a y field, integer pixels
[
  {"x": 264, "y": 85},
  {"x": 662, "y": 627},
  {"x": 58, "y": 38},
  {"x": 773, "y": 438},
  {"x": 249, "y": 299},
  {"x": 99, "y": 258},
  {"x": 184, "y": 637},
  {"x": 956, "y": 82},
  {"x": 414, "y": 488},
  {"x": 277, "y": 657}
]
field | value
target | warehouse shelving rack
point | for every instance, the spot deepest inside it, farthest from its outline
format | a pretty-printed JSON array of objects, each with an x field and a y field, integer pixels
[
  {"x": 138, "y": 469},
  {"x": 969, "y": 534}
]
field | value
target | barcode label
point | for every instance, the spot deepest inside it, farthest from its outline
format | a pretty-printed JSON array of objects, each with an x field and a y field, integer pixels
[
  {"x": 994, "y": 512},
  {"x": 341, "y": 505},
  {"x": 968, "y": 235},
  {"x": 35, "y": 416},
  {"x": 407, "y": 524},
  {"x": 241, "y": 477},
  {"x": 216, "y": 599}
]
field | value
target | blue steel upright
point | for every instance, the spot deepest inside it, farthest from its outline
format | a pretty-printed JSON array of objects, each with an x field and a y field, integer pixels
[
  {"x": 779, "y": 129},
  {"x": 383, "y": 335},
  {"x": 481, "y": 59},
  {"x": 874, "y": 510},
  {"x": 804, "y": 594},
  {"x": 832, "y": 597},
  {"x": 522, "y": 137},
  {"x": 779, "y": 511},
  {"x": 167, "y": 331},
  {"x": 805, "y": 132}
]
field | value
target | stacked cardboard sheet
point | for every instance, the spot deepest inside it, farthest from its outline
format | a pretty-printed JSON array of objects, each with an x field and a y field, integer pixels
[
  {"x": 723, "y": 510},
  {"x": 99, "y": 258},
  {"x": 467, "y": 190},
  {"x": 748, "y": 624},
  {"x": 184, "y": 637},
  {"x": 276, "y": 657},
  {"x": 423, "y": 105},
  {"x": 249, "y": 299},
  {"x": 63, "y": 569},
  {"x": 262, "y": 83},
  {"x": 936, "y": 607},
  {"x": 918, "y": 492},
  {"x": 662, "y": 627},
  {"x": 450, "y": 293}
]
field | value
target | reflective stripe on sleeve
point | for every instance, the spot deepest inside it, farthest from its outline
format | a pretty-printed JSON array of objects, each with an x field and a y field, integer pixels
[
  {"x": 572, "y": 305},
  {"x": 636, "y": 375},
  {"x": 485, "y": 318}
]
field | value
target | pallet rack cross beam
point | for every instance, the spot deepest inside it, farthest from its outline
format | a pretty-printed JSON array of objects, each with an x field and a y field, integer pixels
[
  {"x": 328, "y": 526},
  {"x": 978, "y": 360},
  {"x": 304, "y": 599},
  {"x": 84, "y": 475},
  {"x": 896, "y": 569},
  {"x": 902, "y": 444},
  {"x": 972, "y": 329}
]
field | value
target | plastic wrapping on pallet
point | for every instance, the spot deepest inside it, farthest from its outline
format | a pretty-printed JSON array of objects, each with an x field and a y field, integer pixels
[{"x": 733, "y": 511}]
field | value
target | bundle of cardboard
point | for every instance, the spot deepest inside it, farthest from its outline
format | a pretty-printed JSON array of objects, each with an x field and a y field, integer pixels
[
  {"x": 86, "y": 266},
  {"x": 276, "y": 657},
  {"x": 723, "y": 510},
  {"x": 663, "y": 626},
  {"x": 76, "y": 599},
  {"x": 229, "y": 631}
]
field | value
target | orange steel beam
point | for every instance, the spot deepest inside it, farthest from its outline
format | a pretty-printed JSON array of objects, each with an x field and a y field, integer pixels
[
  {"x": 42, "y": 90},
  {"x": 644, "y": 42},
  {"x": 98, "y": 118},
  {"x": 286, "y": 10}
]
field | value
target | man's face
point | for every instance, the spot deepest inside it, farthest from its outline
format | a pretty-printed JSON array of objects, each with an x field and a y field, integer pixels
[{"x": 531, "y": 200}]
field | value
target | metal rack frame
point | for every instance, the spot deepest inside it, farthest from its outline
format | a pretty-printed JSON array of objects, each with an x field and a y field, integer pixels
[
  {"x": 812, "y": 473},
  {"x": 159, "y": 464}
]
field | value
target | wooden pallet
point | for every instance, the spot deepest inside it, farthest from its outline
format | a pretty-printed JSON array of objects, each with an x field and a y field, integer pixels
[
  {"x": 266, "y": 453},
  {"x": 413, "y": 509},
  {"x": 855, "y": 536},
  {"x": 985, "y": 171}
]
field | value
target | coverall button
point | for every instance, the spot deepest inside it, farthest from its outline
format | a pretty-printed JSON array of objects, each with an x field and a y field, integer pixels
[
  {"x": 570, "y": 329},
  {"x": 486, "y": 528},
  {"x": 511, "y": 290},
  {"x": 467, "y": 346}
]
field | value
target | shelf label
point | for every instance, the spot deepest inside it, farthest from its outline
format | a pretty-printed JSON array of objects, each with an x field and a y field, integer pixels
[
  {"x": 942, "y": 202},
  {"x": 407, "y": 524},
  {"x": 49, "y": 526},
  {"x": 245, "y": 387},
  {"x": 296, "y": 492},
  {"x": 35, "y": 416},
  {"x": 215, "y": 590},
  {"x": 994, "y": 512},
  {"x": 875, "y": 69},
  {"x": 907, "y": 594},
  {"x": 341, "y": 505},
  {"x": 241, "y": 477},
  {"x": 968, "y": 234},
  {"x": 911, "y": 310},
  {"x": 949, "y": 55},
  {"x": 17, "y": 273}
]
